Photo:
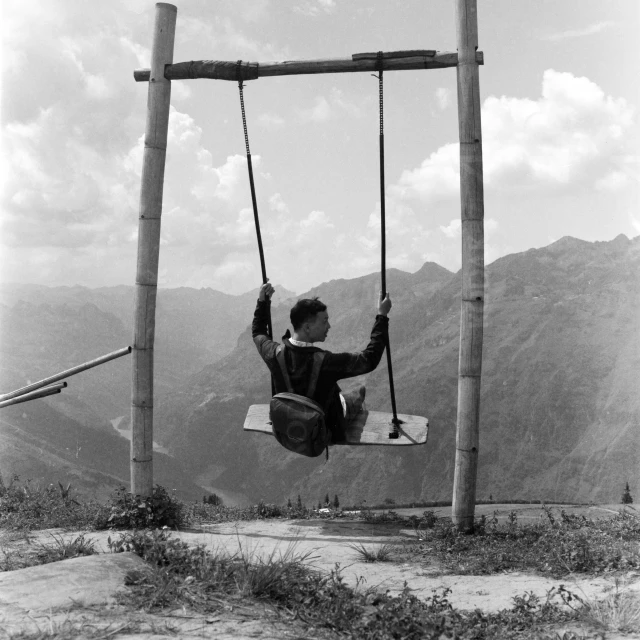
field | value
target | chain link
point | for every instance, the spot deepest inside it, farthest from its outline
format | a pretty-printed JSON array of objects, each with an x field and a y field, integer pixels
[
  {"x": 381, "y": 93},
  {"x": 244, "y": 116}
]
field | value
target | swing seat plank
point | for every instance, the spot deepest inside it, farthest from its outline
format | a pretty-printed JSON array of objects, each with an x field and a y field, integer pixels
[{"x": 367, "y": 428}]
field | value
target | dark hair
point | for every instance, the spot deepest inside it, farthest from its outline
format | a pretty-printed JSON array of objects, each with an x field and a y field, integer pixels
[{"x": 305, "y": 309}]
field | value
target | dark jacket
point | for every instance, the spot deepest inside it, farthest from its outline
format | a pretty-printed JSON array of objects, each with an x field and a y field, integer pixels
[{"x": 335, "y": 366}]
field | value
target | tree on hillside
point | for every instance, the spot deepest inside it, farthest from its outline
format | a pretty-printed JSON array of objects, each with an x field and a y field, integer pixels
[
  {"x": 326, "y": 499},
  {"x": 289, "y": 505},
  {"x": 626, "y": 496},
  {"x": 336, "y": 502},
  {"x": 213, "y": 499},
  {"x": 299, "y": 502}
]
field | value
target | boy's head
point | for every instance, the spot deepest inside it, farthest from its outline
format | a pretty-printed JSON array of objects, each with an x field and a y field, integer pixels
[{"x": 310, "y": 319}]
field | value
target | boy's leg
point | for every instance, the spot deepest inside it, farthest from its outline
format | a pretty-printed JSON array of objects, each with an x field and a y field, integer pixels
[
  {"x": 342, "y": 409},
  {"x": 354, "y": 401}
]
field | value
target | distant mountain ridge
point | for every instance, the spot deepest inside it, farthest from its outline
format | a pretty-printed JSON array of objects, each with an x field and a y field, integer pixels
[{"x": 559, "y": 408}]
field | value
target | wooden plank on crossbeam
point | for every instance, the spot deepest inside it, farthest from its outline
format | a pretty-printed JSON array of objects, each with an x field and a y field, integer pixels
[
  {"x": 368, "y": 428},
  {"x": 359, "y": 62}
]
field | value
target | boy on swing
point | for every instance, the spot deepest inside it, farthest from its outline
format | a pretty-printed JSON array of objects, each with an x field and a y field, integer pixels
[{"x": 310, "y": 322}]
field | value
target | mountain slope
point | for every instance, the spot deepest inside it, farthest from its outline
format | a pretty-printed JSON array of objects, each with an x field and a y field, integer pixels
[
  {"x": 39, "y": 443},
  {"x": 47, "y": 330},
  {"x": 559, "y": 408}
]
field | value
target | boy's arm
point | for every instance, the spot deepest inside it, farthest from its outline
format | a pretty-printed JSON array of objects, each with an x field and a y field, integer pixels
[
  {"x": 266, "y": 347},
  {"x": 348, "y": 365}
]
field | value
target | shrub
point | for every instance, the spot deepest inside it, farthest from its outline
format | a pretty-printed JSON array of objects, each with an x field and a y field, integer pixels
[
  {"x": 160, "y": 509},
  {"x": 557, "y": 544}
]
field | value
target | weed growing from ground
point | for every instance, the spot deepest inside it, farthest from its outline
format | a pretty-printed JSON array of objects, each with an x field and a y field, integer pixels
[
  {"x": 63, "y": 549},
  {"x": 381, "y": 554},
  {"x": 59, "y": 549},
  {"x": 381, "y": 518},
  {"x": 193, "y": 578},
  {"x": 25, "y": 506},
  {"x": 558, "y": 544},
  {"x": 200, "y": 513},
  {"x": 160, "y": 509},
  {"x": 618, "y": 612}
]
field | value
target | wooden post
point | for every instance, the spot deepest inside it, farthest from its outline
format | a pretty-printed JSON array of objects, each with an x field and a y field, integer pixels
[
  {"x": 472, "y": 305},
  {"x": 155, "y": 151}
]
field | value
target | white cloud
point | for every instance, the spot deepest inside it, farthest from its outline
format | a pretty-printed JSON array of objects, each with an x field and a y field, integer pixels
[
  {"x": 271, "y": 121},
  {"x": 327, "y": 108},
  {"x": 338, "y": 100},
  {"x": 142, "y": 54},
  {"x": 238, "y": 232},
  {"x": 327, "y": 5},
  {"x": 573, "y": 134},
  {"x": 236, "y": 273},
  {"x": 313, "y": 8},
  {"x": 316, "y": 220},
  {"x": 443, "y": 97},
  {"x": 407, "y": 240},
  {"x": 230, "y": 175},
  {"x": 229, "y": 42},
  {"x": 612, "y": 181},
  {"x": 490, "y": 226},
  {"x": 320, "y": 112},
  {"x": 452, "y": 230},
  {"x": 437, "y": 176},
  {"x": 579, "y": 33},
  {"x": 276, "y": 203},
  {"x": 180, "y": 91}
]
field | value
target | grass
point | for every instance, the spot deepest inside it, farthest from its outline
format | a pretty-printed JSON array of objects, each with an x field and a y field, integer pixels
[
  {"x": 193, "y": 578},
  {"x": 381, "y": 554},
  {"x": 25, "y": 506},
  {"x": 103, "y": 629},
  {"x": 59, "y": 549},
  {"x": 618, "y": 612},
  {"x": 557, "y": 545}
]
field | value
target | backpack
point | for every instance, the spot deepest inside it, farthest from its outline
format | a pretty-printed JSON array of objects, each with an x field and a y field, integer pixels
[{"x": 298, "y": 422}]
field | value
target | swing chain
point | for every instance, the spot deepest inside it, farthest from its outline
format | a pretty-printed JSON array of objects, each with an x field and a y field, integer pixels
[
  {"x": 254, "y": 201},
  {"x": 380, "y": 91},
  {"x": 244, "y": 117},
  {"x": 396, "y": 422}
]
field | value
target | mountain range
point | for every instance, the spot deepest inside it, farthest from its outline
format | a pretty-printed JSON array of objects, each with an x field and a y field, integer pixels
[{"x": 559, "y": 403}]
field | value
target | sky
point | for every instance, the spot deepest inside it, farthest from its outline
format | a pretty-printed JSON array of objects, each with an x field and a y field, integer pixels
[{"x": 559, "y": 94}]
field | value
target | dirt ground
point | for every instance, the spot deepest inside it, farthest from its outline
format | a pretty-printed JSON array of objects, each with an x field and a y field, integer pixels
[{"x": 79, "y": 593}]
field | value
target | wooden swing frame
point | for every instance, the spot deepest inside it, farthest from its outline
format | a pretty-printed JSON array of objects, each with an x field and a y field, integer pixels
[{"x": 163, "y": 71}]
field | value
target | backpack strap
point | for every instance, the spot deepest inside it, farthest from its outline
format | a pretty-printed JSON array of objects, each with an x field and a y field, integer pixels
[
  {"x": 283, "y": 367},
  {"x": 318, "y": 357}
]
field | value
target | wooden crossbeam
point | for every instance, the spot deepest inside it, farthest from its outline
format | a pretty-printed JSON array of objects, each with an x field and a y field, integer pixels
[{"x": 359, "y": 62}]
